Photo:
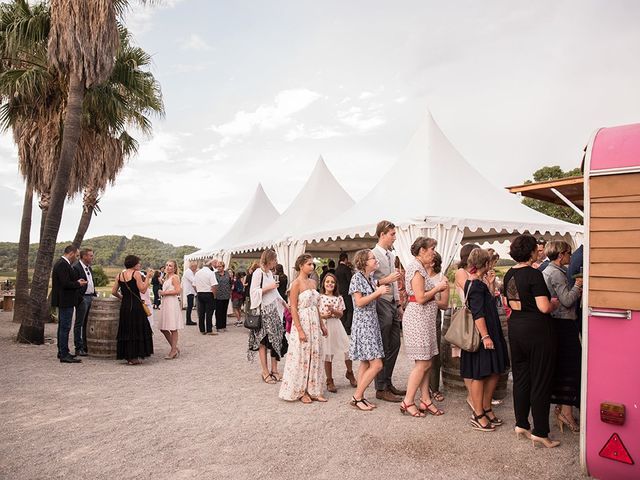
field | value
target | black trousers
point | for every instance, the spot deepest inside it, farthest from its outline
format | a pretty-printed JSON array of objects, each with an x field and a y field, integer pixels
[
  {"x": 190, "y": 301},
  {"x": 206, "y": 306},
  {"x": 347, "y": 316},
  {"x": 533, "y": 360},
  {"x": 221, "y": 313},
  {"x": 390, "y": 331},
  {"x": 436, "y": 364}
]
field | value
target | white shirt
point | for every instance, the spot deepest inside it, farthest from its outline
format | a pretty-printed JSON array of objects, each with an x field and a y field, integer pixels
[
  {"x": 188, "y": 280},
  {"x": 204, "y": 279},
  {"x": 91, "y": 289}
]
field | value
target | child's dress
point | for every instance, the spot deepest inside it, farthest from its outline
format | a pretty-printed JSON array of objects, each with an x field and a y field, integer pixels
[{"x": 337, "y": 341}]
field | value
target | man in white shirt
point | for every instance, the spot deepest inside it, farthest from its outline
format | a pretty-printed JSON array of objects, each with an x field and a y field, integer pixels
[
  {"x": 205, "y": 283},
  {"x": 189, "y": 290},
  {"x": 387, "y": 309},
  {"x": 87, "y": 292}
]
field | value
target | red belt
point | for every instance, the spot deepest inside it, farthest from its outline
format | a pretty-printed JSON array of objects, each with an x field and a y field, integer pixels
[{"x": 412, "y": 298}]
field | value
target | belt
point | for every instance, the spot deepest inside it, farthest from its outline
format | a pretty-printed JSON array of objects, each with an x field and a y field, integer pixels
[{"x": 89, "y": 294}]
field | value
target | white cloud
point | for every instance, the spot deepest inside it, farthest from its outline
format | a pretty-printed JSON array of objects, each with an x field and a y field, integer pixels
[
  {"x": 319, "y": 133},
  {"x": 196, "y": 42},
  {"x": 139, "y": 18},
  {"x": 267, "y": 117},
  {"x": 362, "y": 121},
  {"x": 365, "y": 95}
]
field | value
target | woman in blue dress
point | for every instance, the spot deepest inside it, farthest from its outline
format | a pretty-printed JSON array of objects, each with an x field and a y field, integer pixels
[{"x": 366, "y": 340}]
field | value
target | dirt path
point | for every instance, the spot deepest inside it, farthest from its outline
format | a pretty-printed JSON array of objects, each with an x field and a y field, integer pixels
[{"x": 208, "y": 415}]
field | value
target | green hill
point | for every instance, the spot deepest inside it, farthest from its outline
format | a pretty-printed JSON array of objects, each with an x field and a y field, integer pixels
[{"x": 110, "y": 251}]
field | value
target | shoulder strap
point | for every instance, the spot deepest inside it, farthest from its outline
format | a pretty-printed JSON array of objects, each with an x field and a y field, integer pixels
[{"x": 133, "y": 294}]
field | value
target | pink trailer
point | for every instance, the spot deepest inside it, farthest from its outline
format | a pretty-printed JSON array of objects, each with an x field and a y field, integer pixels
[{"x": 610, "y": 417}]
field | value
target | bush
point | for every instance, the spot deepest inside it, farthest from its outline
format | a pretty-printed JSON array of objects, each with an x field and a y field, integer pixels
[{"x": 100, "y": 278}]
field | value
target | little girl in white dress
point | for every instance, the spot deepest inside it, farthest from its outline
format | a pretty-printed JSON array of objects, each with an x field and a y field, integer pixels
[{"x": 336, "y": 343}]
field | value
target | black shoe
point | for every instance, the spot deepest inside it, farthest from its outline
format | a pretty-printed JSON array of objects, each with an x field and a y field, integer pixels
[
  {"x": 70, "y": 359},
  {"x": 191, "y": 323},
  {"x": 81, "y": 353},
  {"x": 69, "y": 354}
]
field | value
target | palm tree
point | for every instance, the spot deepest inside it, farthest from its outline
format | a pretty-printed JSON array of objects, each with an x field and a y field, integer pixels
[{"x": 37, "y": 121}]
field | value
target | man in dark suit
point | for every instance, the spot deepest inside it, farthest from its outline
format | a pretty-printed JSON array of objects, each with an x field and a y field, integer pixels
[
  {"x": 65, "y": 286},
  {"x": 83, "y": 270},
  {"x": 344, "y": 274}
]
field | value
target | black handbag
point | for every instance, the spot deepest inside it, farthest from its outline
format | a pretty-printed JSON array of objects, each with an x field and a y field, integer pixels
[{"x": 253, "y": 317}]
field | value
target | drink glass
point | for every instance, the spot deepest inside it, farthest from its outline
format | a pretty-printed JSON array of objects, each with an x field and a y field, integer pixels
[{"x": 276, "y": 278}]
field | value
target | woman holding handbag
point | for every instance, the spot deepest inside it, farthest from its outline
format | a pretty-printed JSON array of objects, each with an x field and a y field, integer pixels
[
  {"x": 270, "y": 335},
  {"x": 484, "y": 366},
  {"x": 134, "y": 338}
]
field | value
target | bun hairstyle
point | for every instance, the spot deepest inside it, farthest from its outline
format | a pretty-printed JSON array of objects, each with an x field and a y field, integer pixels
[
  {"x": 301, "y": 260},
  {"x": 131, "y": 261},
  {"x": 464, "y": 253},
  {"x": 522, "y": 247},
  {"x": 422, "y": 242}
]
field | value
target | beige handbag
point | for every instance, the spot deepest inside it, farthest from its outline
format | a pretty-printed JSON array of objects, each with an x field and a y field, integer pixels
[{"x": 463, "y": 332}]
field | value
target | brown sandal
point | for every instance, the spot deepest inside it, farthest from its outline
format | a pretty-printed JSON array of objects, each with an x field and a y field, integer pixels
[
  {"x": 269, "y": 379},
  {"x": 331, "y": 386},
  {"x": 404, "y": 409}
]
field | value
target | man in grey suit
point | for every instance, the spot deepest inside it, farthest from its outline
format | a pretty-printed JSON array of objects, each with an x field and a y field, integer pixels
[{"x": 387, "y": 308}]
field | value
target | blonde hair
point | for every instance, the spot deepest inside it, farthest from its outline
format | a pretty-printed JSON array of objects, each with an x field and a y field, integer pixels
[
  {"x": 478, "y": 258},
  {"x": 175, "y": 266},
  {"x": 267, "y": 256},
  {"x": 554, "y": 248}
]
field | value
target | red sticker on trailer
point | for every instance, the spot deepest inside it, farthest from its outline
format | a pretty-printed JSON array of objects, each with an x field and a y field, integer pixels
[{"x": 614, "y": 449}]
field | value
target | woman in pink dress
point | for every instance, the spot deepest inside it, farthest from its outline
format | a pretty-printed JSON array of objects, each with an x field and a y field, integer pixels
[{"x": 170, "y": 314}]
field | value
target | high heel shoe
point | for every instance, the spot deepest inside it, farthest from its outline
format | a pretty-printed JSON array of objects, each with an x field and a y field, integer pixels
[
  {"x": 562, "y": 420},
  {"x": 522, "y": 431},
  {"x": 404, "y": 409},
  {"x": 172, "y": 357},
  {"x": 544, "y": 441}
]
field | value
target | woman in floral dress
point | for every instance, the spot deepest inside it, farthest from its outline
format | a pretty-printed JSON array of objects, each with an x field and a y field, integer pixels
[
  {"x": 303, "y": 376},
  {"x": 366, "y": 340},
  {"x": 419, "y": 326}
]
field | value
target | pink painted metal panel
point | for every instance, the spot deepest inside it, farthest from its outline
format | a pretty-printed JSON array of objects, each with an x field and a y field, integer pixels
[
  {"x": 616, "y": 147},
  {"x": 613, "y": 376}
]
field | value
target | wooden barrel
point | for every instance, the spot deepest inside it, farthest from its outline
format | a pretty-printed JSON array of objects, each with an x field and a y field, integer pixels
[
  {"x": 451, "y": 366},
  {"x": 102, "y": 327}
]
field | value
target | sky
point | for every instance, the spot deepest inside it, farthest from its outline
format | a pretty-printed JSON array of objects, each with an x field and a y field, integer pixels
[{"x": 257, "y": 91}]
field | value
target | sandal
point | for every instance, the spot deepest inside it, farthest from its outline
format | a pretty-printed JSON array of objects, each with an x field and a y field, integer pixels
[
  {"x": 367, "y": 402},
  {"x": 404, "y": 409},
  {"x": 427, "y": 408},
  {"x": 306, "y": 399},
  {"x": 437, "y": 395},
  {"x": 495, "y": 420},
  {"x": 361, "y": 404},
  {"x": 276, "y": 376},
  {"x": 319, "y": 398},
  {"x": 475, "y": 423},
  {"x": 268, "y": 378}
]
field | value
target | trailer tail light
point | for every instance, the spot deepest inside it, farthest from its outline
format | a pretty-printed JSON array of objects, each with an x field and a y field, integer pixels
[
  {"x": 612, "y": 413},
  {"x": 614, "y": 449}
]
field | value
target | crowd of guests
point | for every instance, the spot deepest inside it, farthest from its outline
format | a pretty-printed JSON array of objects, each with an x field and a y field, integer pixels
[{"x": 358, "y": 312}]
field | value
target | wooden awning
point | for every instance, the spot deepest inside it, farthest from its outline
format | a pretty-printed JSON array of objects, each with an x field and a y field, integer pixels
[{"x": 570, "y": 187}]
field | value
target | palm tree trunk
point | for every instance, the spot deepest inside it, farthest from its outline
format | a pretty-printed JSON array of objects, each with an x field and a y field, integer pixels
[
  {"x": 32, "y": 327},
  {"x": 85, "y": 220},
  {"x": 22, "y": 268}
]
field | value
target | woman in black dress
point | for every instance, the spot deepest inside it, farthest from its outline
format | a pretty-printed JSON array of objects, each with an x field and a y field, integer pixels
[
  {"x": 532, "y": 339},
  {"x": 134, "y": 339},
  {"x": 483, "y": 367},
  {"x": 156, "y": 286}
]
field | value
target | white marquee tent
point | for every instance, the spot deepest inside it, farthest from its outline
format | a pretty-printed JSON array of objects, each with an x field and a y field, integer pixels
[
  {"x": 319, "y": 200},
  {"x": 433, "y": 191},
  {"x": 258, "y": 215}
]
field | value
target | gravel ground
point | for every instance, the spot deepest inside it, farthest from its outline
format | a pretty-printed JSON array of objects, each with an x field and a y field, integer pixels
[{"x": 208, "y": 415}]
